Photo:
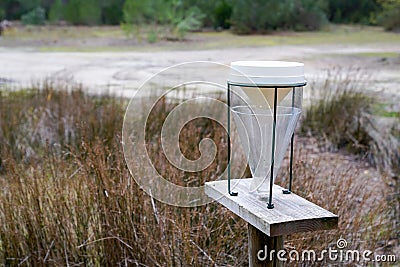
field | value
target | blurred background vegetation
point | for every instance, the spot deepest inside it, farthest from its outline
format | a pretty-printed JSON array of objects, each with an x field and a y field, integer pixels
[{"x": 241, "y": 16}]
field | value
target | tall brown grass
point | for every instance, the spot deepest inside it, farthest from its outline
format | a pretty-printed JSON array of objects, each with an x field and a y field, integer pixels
[
  {"x": 68, "y": 198},
  {"x": 342, "y": 115}
]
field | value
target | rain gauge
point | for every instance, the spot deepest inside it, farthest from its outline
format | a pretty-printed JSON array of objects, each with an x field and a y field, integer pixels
[{"x": 264, "y": 98}]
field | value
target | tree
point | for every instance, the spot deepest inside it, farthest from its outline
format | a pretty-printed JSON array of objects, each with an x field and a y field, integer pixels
[
  {"x": 390, "y": 15},
  {"x": 86, "y": 12},
  {"x": 36, "y": 16},
  {"x": 111, "y": 11},
  {"x": 56, "y": 11},
  {"x": 14, "y": 9},
  {"x": 172, "y": 14},
  {"x": 222, "y": 15},
  {"x": 250, "y": 16},
  {"x": 355, "y": 11}
]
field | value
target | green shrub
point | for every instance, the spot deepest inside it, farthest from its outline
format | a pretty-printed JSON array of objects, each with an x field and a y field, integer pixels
[
  {"x": 355, "y": 11},
  {"x": 390, "y": 16},
  {"x": 36, "y": 16},
  {"x": 262, "y": 16},
  {"x": 222, "y": 13},
  {"x": 309, "y": 15},
  {"x": 86, "y": 12},
  {"x": 56, "y": 11},
  {"x": 111, "y": 12},
  {"x": 2, "y": 14},
  {"x": 183, "y": 21},
  {"x": 173, "y": 14},
  {"x": 152, "y": 35}
]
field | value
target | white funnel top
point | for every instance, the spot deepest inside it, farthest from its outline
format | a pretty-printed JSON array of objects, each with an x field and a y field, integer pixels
[
  {"x": 270, "y": 73},
  {"x": 249, "y": 74}
]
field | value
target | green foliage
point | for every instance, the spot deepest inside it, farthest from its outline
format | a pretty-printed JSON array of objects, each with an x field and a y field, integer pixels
[
  {"x": 181, "y": 16},
  {"x": 36, "y": 16},
  {"x": 172, "y": 14},
  {"x": 14, "y": 9},
  {"x": 261, "y": 16},
  {"x": 134, "y": 11},
  {"x": 206, "y": 7},
  {"x": 183, "y": 20},
  {"x": 111, "y": 12},
  {"x": 355, "y": 11},
  {"x": 86, "y": 12},
  {"x": 247, "y": 16},
  {"x": 152, "y": 36},
  {"x": 309, "y": 15},
  {"x": 2, "y": 13},
  {"x": 90, "y": 12},
  {"x": 390, "y": 16},
  {"x": 72, "y": 11},
  {"x": 222, "y": 13},
  {"x": 56, "y": 12}
]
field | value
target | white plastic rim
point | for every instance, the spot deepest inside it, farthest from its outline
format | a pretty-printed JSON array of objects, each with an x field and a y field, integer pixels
[{"x": 267, "y": 73}]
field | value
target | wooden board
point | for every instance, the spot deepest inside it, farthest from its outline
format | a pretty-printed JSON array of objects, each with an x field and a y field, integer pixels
[{"x": 291, "y": 214}]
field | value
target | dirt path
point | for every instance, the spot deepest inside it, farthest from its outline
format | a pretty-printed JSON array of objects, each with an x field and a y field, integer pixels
[{"x": 123, "y": 72}]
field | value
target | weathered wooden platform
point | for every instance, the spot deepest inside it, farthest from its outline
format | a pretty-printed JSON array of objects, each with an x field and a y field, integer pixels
[{"x": 291, "y": 214}]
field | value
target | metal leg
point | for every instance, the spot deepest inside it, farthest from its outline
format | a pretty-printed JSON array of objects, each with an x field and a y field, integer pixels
[
  {"x": 289, "y": 190},
  {"x": 229, "y": 142},
  {"x": 271, "y": 180}
]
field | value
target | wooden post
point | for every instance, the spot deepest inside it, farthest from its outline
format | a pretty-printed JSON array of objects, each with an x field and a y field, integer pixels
[
  {"x": 260, "y": 246},
  {"x": 267, "y": 227}
]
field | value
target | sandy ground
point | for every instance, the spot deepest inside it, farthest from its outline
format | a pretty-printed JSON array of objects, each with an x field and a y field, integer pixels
[{"x": 124, "y": 72}]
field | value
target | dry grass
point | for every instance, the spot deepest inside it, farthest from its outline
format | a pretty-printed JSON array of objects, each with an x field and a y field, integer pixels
[
  {"x": 342, "y": 116},
  {"x": 364, "y": 200},
  {"x": 68, "y": 198}
]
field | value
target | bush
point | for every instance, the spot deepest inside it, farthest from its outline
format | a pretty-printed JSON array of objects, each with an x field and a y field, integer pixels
[
  {"x": 36, "y": 16},
  {"x": 86, "y": 12},
  {"x": 390, "y": 16},
  {"x": 262, "y": 16},
  {"x": 183, "y": 21},
  {"x": 56, "y": 12},
  {"x": 173, "y": 14},
  {"x": 355, "y": 11},
  {"x": 2, "y": 14},
  {"x": 309, "y": 15},
  {"x": 111, "y": 12},
  {"x": 222, "y": 14}
]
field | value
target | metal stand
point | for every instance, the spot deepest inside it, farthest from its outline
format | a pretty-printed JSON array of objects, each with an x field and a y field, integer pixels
[
  {"x": 270, "y": 205},
  {"x": 229, "y": 141},
  {"x": 271, "y": 177},
  {"x": 289, "y": 190}
]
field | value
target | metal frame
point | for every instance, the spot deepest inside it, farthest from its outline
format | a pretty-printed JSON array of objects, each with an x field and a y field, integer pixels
[{"x": 289, "y": 190}]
